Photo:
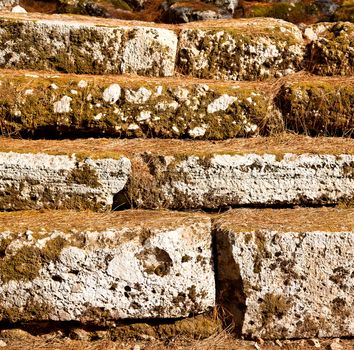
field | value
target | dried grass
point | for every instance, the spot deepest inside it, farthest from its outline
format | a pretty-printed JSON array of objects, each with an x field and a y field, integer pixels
[
  {"x": 222, "y": 341},
  {"x": 115, "y": 148},
  {"x": 283, "y": 220},
  {"x": 287, "y": 220},
  {"x": 66, "y": 220}
]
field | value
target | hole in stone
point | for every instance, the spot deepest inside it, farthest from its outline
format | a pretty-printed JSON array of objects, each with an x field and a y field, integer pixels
[
  {"x": 127, "y": 288},
  {"x": 126, "y": 294},
  {"x": 57, "y": 278},
  {"x": 74, "y": 272}
]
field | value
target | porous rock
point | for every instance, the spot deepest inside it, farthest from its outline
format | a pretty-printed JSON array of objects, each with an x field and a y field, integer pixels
[
  {"x": 133, "y": 108},
  {"x": 332, "y": 53},
  {"x": 251, "y": 179},
  {"x": 319, "y": 107},
  {"x": 288, "y": 276},
  {"x": 78, "y": 47},
  {"x": 117, "y": 266},
  {"x": 34, "y": 181},
  {"x": 252, "y": 49}
]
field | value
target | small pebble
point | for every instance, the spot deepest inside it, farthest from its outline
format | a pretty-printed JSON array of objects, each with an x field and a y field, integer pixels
[
  {"x": 2, "y": 344},
  {"x": 279, "y": 343},
  {"x": 314, "y": 342},
  {"x": 18, "y": 9},
  {"x": 334, "y": 346}
]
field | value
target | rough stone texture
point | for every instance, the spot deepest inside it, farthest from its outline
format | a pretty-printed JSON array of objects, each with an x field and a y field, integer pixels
[
  {"x": 34, "y": 181},
  {"x": 228, "y": 5},
  {"x": 231, "y": 180},
  {"x": 189, "y": 11},
  {"x": 134, "y": 108},
  {"x": 79, "y": 47},
  {"x": 288, "y": 282},
  {"x": 251, "y": 49},
  {"x": 332, "y": 49},
  {"x": 308, "y": 11},
  {"x": 133, "y": 265},
  {"x": 7, "y": 4},
  {"x": 318, "y": 108}
]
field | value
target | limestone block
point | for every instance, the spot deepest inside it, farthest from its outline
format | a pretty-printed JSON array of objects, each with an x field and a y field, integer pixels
[
  {"x": 38, "y": 180},
  {"x": 288, "y": 273},
  {"x": 223, "y": 180},
  {"x": 66, "y": 45},
  {"x": 133, "y": 108},
  {"x": 97, "y": 268},
  {"x": 332, "y": 48},
  {"x": 251, "y": 49}
]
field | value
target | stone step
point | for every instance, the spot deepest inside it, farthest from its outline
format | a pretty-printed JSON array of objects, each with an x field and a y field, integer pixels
[
  {"x": 84, "y": 45},
  {"x": 244, "y": 49},
  {"x": 95, "y": 268},
  {"x": 278, "y": 273},
  {"x": 287, "y": 273},
  {"x": 48, "y": 105},
  {"x": 101, "y": 174}
]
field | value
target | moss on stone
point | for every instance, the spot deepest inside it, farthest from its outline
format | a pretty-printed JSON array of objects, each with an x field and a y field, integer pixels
[
  {"x": 345, "y": 12},
  {"x": 84, "y": 175},
  {"x": 25, "y": 263},
  {"x": 295, "y": 13},
  {"x": 274, "y": 305},
  {"x": 331, "y": 54},
  {"x": 318, "y": 108},
  {"x": 31, "y": 311}
]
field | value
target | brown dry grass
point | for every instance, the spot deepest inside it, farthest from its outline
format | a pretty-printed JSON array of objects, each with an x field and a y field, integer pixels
[
  {"x": 304, "y": 219},
  {"x": 115, "y": 148},
  {"x": 67, "y": 220},
  {"x": 287, "y": 220},
  {"x": 221, "y": 341}
]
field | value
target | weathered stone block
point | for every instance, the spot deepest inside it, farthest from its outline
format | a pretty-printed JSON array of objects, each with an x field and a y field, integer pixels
[
  {"x": 96, "y": 269},
  {"x": 332, "y": 48},
  {"x": 321, "y": 107},
  {"x": 66, "y": 45},
  {"x": 251, "y": 49},
  {"x": 133, "y": 108},
  {"x": 35, "y": 181},
  {"x": 288, "y": 273},
  {"x": 231, "y": 180}
]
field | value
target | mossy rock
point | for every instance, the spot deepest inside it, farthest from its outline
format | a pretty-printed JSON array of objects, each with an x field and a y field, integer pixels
[
  {"x": 332, "y": 53},
  {"x": 318, "y": 108},
  {"x": 300, "y": 12}
]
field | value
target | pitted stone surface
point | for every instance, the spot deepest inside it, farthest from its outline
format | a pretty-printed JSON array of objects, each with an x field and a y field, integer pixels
[
  {"x": 78, "y": 47},
  {"x": 128, "y": 265},
  {"x": 34, "y": 181},
  {"x": 241, "y": 50},
  {"x": 288, "y": 282},
  {"x": 250, "y": 179},
  {"x": 134, "y": 107}
]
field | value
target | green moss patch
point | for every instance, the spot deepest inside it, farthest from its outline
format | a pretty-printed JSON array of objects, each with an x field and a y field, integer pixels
[
  {"x": 25, "y": 263},
  {"x": 300, "y": 12},
  {"x": 318, "y": 108}
]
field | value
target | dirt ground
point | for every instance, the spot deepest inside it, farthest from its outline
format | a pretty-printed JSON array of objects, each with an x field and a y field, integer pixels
[{"x": 221, "y": 341}]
